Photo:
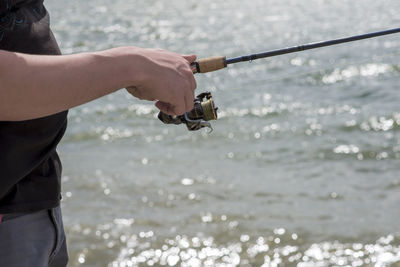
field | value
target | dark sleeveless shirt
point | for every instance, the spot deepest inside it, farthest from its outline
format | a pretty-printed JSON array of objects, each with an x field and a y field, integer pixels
[{"x": 30, "y": 169}]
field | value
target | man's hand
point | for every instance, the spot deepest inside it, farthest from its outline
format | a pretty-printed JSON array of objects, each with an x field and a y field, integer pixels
[{"x": 166, "y": 78}]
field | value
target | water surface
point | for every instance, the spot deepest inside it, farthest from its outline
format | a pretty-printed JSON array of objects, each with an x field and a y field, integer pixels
[{"x": 302, "y": 168}]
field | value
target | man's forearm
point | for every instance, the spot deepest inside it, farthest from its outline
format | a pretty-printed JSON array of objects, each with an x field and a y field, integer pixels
[{"x": 34, "y": 86}]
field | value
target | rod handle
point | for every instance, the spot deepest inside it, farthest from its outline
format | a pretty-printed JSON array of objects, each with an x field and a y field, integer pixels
[{"x": 209, "y": 64}]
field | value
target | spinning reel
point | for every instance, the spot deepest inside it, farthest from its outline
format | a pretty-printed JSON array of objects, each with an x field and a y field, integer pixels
[{"x": 204, "y": 110}]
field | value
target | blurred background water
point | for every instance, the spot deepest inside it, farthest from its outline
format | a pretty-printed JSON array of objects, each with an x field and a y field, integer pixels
[{"x": 302, "y": 168}]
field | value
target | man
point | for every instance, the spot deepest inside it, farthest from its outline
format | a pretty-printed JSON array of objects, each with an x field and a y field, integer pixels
[{"x": 37, "y": 87}]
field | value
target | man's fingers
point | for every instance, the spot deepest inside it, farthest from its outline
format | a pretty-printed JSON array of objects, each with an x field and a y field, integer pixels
[
  {"x": 180, "y": 109},
  {"x": 190, "y": 58},
  {"x": 138, "y": 92},
  {"x": 192, "y": 82},
  {"x": 189, "y": 101},
  {"x": 172, "y": 83},
  {"x": 132, "y": 90},
  {"x": 164, "y": 107},
  {"x": 170, "y": 109}
]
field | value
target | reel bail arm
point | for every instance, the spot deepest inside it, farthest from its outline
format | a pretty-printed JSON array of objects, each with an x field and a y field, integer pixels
[{"x": 204, "y": 110}]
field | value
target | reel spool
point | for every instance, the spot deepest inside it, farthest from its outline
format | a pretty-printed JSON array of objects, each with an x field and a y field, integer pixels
[{"x": 204, "y": 110}]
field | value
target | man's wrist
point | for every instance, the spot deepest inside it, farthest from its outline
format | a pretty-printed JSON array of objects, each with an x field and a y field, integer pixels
[{"x": 124, "y": 65}]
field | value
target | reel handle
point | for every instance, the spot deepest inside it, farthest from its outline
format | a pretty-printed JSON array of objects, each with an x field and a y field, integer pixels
[{"x": 204, "y": 110}]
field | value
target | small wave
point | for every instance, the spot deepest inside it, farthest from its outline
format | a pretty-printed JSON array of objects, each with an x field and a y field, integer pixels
[
  {"x": 358, "y": 153},
  {"x": 338, "y": 75},
  {"x": 375, "y": 123},
  {"x": 124, "y": 110},
  {"x": 102, "y": 133},
  {"x": 273, "y": 109}
]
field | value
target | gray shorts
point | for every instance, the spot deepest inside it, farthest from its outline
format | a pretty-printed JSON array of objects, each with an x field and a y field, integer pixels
[{"x": 33, "y": 239}]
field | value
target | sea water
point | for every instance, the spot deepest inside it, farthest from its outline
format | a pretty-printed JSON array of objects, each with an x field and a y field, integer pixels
[{"x": 302, "y": 168}]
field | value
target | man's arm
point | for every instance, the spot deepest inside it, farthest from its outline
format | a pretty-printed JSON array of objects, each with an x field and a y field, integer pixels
[{"x": 33, "y": 86}]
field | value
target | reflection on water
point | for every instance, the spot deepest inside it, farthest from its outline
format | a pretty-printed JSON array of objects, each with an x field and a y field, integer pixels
[{"x": 277, "y": 249}]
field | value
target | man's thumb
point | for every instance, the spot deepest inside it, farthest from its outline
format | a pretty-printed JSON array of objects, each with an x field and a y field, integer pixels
[{"x": 190, "y": 58}]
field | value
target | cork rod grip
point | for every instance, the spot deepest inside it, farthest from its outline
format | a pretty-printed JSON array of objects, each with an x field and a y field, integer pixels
[{"x": 211, "y": 64}]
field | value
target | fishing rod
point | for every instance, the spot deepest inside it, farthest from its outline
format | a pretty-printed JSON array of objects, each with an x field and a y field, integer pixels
[
  {"x": 204, "y": 108},
  {"x": 220, "y": 62}
]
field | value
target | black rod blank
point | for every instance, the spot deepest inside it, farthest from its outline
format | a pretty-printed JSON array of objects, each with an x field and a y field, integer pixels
[{"x": 309, "y": 46}]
